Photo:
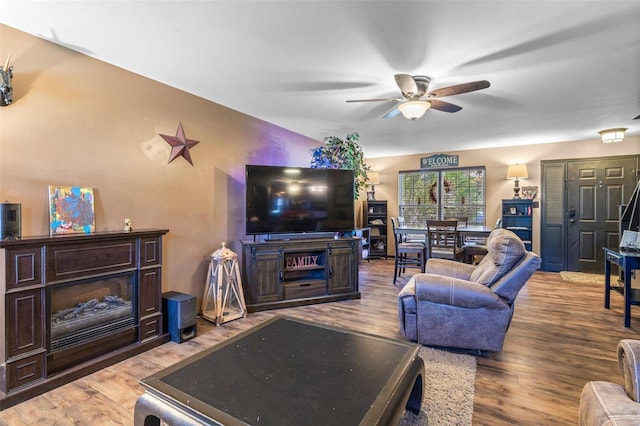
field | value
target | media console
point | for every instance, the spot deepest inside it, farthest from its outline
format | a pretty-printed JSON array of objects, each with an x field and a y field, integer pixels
[{"x": 285, "y": 273}]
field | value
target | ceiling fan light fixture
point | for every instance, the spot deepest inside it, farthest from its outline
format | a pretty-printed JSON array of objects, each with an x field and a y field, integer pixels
[
  {"x": 414, "y": 109},
  {"x": 612, "y": 135}
]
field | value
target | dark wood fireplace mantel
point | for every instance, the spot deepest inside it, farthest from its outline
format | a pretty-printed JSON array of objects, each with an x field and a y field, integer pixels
[{"x": 32, "y": 267}]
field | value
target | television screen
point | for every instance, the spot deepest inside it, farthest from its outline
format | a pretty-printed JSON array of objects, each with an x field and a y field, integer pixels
[{"x": 296, "y": 199}]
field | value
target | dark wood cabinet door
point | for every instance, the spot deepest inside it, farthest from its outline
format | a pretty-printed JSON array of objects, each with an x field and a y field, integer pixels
[
  {"x": 75, "y": 261},
  {"x": 25, "y": 370},
  {"x": 150, "y": 327},
  {"x": 265, "y": 278},
  {"x": 343, "y": 273},
  {"x": 23, "y": 267},
  {"x": 150, "y": 251},
  {"x": 150, "y": 292},
  {"x": 25, "y": 332}
]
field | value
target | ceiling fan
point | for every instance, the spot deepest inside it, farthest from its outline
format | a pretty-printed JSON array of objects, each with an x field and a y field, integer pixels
[{"x": 417, "y": 99}]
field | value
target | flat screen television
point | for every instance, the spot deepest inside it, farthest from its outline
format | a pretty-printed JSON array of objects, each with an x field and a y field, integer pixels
[{"x": 286, "y": 200}]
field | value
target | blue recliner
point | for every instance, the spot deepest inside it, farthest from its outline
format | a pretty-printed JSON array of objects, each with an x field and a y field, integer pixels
[{"x": 458, "y": 305}]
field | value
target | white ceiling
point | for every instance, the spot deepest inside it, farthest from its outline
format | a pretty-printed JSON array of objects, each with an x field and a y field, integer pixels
[{"x": 559, "y": 70}]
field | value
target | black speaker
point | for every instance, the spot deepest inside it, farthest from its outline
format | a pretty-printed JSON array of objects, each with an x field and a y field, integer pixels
[
  {"x": 10, "y": 221},
  {"x": 179, "y": 315}
]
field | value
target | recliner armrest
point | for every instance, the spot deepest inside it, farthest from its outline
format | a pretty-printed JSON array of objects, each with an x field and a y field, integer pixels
[
  {"x": 629, "y": 364},
  {"x": 605, "y": 403},
  {"x": 449, "y": 268},
  {"x": 454, "y": 292}
]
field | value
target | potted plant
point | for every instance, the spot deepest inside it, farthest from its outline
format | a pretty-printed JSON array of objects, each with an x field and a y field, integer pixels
[{"x": 345, "y": 153}]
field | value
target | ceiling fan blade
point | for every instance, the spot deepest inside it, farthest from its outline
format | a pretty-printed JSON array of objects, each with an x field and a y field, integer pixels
[
  {"x": 376, "y": 100},
  {"x": 407, "y": 84},
  {"x": 637, "y": 118},
  {"x": 459, "y": 88},
  {"x": 444, "y": 106},
  {"x": 392, "y": 113}
]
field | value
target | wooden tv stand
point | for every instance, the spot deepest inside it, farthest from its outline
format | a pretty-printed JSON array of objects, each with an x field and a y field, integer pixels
[{"x": 285, "y": 273}]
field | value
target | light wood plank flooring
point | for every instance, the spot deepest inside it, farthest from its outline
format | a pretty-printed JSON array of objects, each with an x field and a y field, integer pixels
[{"x": 560, "y": 338}]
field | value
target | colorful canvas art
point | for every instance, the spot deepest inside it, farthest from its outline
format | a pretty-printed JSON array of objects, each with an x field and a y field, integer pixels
[{"x": 71, "y": 210}]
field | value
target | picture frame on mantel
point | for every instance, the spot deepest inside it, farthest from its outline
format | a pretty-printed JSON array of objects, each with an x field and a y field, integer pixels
[{"x": 71, "y": 210}]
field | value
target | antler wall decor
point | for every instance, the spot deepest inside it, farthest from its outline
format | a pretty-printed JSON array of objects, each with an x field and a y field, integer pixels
[{"x": 6, "y": 90}]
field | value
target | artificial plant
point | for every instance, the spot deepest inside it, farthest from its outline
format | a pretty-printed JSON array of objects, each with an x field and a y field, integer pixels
[{"x": 345, "y": 153}]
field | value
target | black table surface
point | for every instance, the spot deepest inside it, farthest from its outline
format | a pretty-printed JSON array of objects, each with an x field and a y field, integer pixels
[
  {"x": 625, "y": 251},
  {"x": 287, "y": 371}
]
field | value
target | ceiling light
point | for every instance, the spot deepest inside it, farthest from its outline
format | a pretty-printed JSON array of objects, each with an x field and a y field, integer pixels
[
  {"x": 612, "y": 135},
  {"x": 414, "y": 109}
]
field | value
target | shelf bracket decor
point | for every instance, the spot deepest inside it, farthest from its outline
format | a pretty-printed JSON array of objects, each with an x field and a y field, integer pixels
[{"x": 223, "y": 298}]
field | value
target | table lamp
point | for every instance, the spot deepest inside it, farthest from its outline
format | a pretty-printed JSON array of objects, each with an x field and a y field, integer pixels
[
  {"x": 517, "y": 171},
  {"x": 373, "y": 178}
]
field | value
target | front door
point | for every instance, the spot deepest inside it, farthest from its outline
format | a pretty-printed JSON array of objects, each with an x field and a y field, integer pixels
[{"x": 595, "y": 190}]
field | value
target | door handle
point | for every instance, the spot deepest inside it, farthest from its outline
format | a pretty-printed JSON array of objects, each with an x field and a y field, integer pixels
[{"x": 572, "y": 215}]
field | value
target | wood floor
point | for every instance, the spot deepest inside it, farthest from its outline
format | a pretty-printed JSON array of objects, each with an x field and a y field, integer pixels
[{"x": 560, "y": 338}]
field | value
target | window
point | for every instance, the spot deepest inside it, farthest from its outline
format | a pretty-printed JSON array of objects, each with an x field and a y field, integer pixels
[{"x": 443, "y": 193}]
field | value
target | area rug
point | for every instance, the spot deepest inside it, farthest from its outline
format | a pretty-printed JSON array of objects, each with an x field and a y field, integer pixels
[
  {"x": 582, "y": 277},
  {"x": 448, "y": 390}
]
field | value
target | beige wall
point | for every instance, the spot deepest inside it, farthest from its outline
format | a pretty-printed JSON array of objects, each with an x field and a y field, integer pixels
[
  {"x": 79, "y": 121},
  {"x": 496, "y": 161}
]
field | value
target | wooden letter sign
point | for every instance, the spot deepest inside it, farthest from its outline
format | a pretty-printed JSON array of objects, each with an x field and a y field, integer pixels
[{"x": 301, "y": 262}]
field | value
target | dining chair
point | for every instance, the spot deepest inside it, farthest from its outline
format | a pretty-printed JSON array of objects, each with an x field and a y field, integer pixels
[
  {"x": 442, "y": 238},
  {"x": 411, "y": 238},
  {"x": 475, "y": 250},
  {"x": 409, "y": 254},
  {"x": 462, "y": 220}
]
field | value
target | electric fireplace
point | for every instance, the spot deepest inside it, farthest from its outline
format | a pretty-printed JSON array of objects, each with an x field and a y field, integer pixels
[{"x": 73, "y": 304}]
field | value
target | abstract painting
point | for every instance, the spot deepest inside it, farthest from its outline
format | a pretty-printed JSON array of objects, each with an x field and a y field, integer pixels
[{"x": 71, "y": 210}]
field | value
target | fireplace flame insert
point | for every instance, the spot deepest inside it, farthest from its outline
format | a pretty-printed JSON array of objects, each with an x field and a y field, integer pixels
[{"x": 83, "y": 313}]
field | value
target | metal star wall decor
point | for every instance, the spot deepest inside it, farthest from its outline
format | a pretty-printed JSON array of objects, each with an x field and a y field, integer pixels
[{"x": 180, "y": 145}]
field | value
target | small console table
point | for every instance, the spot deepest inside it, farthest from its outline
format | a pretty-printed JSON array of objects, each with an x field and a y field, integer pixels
[{"x": 628, "y": 261}]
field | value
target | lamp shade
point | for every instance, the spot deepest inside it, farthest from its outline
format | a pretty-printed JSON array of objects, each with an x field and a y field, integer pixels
[
  {"x": 414, "y": 109},
  {"x": 517, "y": 171},
  {"x": 612, "y": 135},
  {"x": 373, "y": 178}
]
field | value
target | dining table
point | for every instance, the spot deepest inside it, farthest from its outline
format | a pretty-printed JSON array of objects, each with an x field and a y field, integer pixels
[{"x": 465, "y": 232}]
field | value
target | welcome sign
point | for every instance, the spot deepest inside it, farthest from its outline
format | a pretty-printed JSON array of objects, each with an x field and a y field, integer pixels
[{"x": 439, "y": 160}]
